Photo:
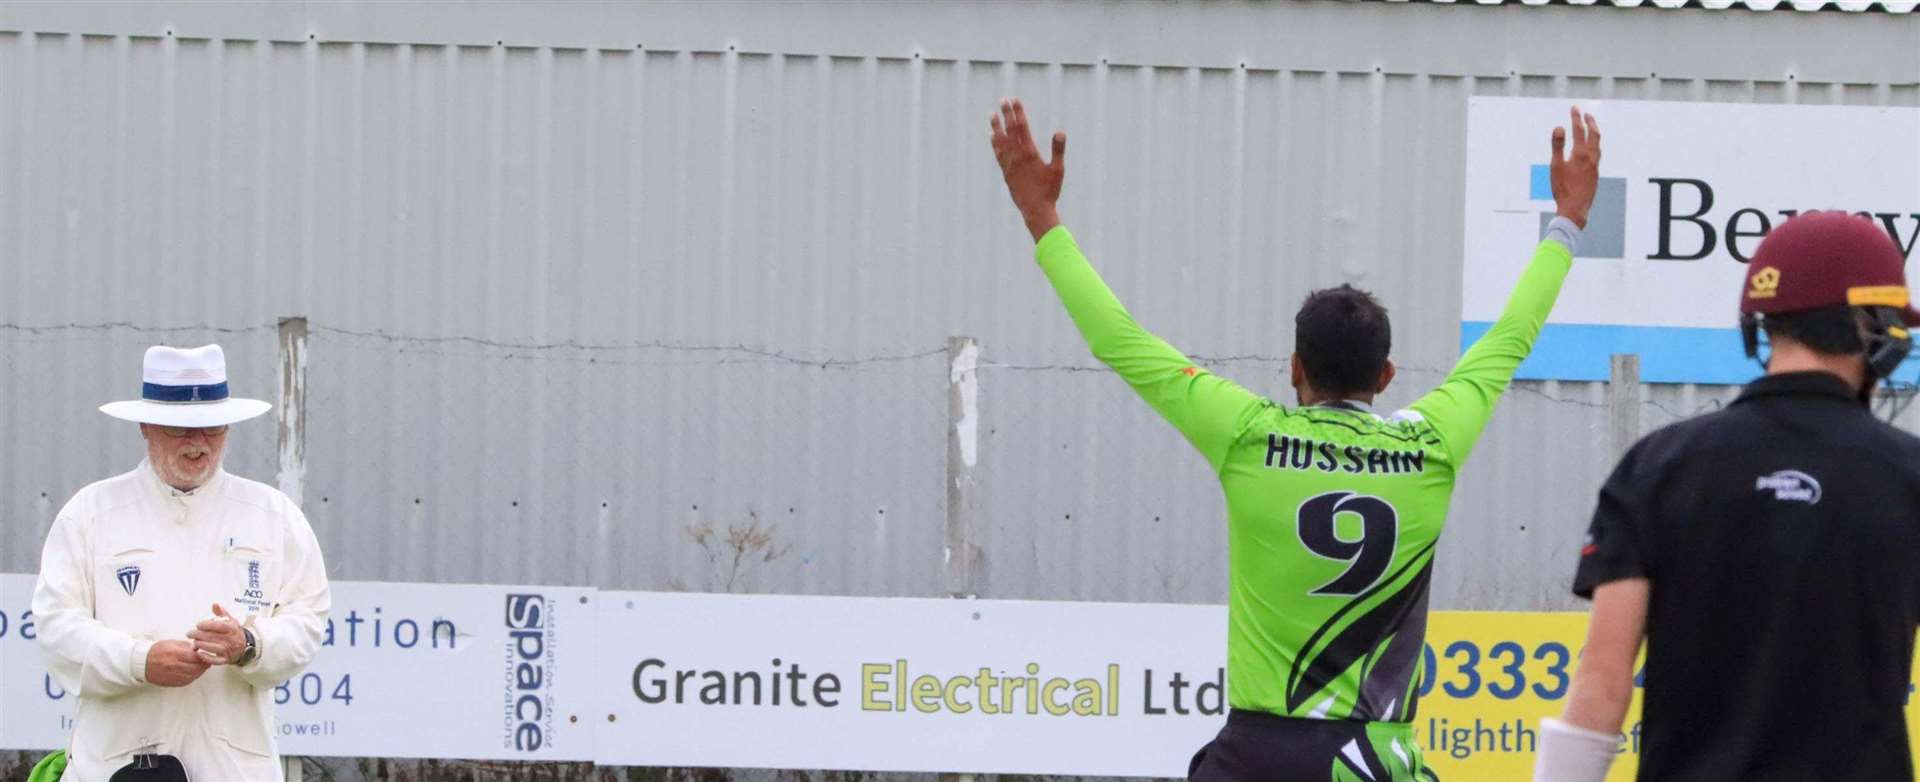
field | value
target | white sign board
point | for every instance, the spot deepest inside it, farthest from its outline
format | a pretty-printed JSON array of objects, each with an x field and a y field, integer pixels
[
  {"x": 34, "y": 712},
  {"x": 1687, "y": 192},
  {"x": 889, "y": 684},
  {"x": 446, "y": 671},
  {"x": 406, "y": 671}
]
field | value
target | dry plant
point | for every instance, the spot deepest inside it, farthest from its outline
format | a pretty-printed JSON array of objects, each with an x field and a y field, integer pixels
[{"x": 733, "y": 553}]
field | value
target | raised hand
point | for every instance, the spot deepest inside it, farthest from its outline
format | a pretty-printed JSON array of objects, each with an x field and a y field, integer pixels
[
  {"x": 1034, "y": 183},
  {"x": 1577, "y": 178},
  {"x": 173, "y": 664}
]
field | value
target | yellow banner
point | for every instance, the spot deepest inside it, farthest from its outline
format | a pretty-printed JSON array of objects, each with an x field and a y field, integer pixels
[{"x": 1492, "y": 676}]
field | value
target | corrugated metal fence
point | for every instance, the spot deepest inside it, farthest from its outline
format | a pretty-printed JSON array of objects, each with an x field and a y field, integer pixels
[{"x": 585, "y": 280}]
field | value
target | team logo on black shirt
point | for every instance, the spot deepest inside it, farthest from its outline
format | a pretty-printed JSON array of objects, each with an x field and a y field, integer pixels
[{"x": 1790, "y": 486}]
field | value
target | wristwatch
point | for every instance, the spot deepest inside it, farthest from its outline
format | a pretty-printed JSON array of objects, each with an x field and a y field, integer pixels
[{"x": 252, "y": 650}]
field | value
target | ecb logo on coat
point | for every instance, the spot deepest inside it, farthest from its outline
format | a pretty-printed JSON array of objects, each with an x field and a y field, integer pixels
[
  {"x": 253, "y": 597},
  {"x": 129, "y": 578}
]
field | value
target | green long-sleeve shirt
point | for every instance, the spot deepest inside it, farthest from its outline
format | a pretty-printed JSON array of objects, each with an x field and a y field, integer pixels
[{"x": 1332, "y": 513}]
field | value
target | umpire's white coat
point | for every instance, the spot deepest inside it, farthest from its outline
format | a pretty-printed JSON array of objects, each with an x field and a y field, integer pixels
[{"x": 131, "y": 561}]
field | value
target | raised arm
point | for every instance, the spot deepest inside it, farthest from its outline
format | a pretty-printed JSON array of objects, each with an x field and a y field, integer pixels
[
  {"x": 1460, "y": 407},
  {"x": 1207, "y": 409}
]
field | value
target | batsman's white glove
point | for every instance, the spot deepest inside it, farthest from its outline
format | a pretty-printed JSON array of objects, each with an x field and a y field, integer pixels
[{"x": 1569, "y": 753}]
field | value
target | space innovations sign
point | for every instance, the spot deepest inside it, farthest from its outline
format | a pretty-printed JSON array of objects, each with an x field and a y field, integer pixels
[
  {"x": 1687, "y": 192},
  {"x": 404, "y": 671}
]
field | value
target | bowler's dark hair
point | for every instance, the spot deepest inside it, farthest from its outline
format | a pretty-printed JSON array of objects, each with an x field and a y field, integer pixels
[
  {"x": 1834, "y": 331},
  {"x": 1342, "y": 337}
]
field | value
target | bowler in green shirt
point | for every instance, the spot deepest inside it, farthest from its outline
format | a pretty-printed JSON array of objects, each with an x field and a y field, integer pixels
[{"x": 1333, "y": 510}]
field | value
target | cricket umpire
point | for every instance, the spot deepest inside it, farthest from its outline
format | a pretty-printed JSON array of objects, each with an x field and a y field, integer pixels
[
  {"x": 1766, "y": 551},
  {"x": 174, "y": 597}
]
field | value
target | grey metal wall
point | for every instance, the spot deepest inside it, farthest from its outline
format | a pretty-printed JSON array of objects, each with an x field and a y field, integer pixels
[{"x": 587, "y": 279}]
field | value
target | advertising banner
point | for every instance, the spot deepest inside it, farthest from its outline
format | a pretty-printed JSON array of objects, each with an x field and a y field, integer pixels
[
  {"x": 405, "y": 671},
  {"x": 34, "y": 712},
  {"x": 1015, "y": 687},
  {"x": 871, "y": 684},
  {"x": 1490, "y": 678},
  {"x": 991, "y": 686},
  {"x": 987, "y": 686},
  {"x": 1687, "y": 191},
  {"x": 447, "y": 671}
]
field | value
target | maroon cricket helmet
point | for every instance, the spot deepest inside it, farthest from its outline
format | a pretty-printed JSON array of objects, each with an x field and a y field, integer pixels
[{"x": 1826, "y": 259}]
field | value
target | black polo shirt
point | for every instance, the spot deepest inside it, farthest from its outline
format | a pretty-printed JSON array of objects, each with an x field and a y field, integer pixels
[{"x": 1781, "y": 537}]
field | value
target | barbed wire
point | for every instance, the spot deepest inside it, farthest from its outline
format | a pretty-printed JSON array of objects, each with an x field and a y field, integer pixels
[
  {"x": 596, "y": 353},
  {"x": 758, "y": 352},
  {"x": 43, "y": 329}
]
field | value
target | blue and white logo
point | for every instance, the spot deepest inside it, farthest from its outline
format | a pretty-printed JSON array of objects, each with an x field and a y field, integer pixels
[
  {"x": 129, "y": 578},
  {"x": 1790, "y": 486},
  {"x": 530, "y": 652},
  {"x": 253, "y": 597},
  {"x": 1606, "y": 233}
]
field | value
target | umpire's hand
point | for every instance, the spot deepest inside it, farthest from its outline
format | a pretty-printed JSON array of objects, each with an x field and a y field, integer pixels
[
  {"x": 219, "y": 641},
  {"x": 173, "y": 664}
]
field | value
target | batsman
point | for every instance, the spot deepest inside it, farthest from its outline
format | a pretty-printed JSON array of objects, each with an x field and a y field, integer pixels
[{"x": 1333, "y": 509}]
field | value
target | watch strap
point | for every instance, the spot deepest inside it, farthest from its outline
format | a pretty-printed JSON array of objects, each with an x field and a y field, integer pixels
[{"x": 252, "y": 651}]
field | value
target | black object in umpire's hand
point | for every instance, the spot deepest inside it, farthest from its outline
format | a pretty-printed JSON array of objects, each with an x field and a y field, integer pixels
[{"x": 151, "y": 768}]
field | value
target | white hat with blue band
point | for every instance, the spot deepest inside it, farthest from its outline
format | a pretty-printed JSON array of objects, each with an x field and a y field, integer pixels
[{"x": 185, "y": 387}]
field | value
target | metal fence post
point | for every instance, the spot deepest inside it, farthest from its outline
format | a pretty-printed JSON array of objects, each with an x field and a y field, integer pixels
[
  {"x": 292, "y": 415},
  {"x": 963, "y": 457},
  {"x": 1623, "y": 402},
  {"x": 292, "y": 408}
]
